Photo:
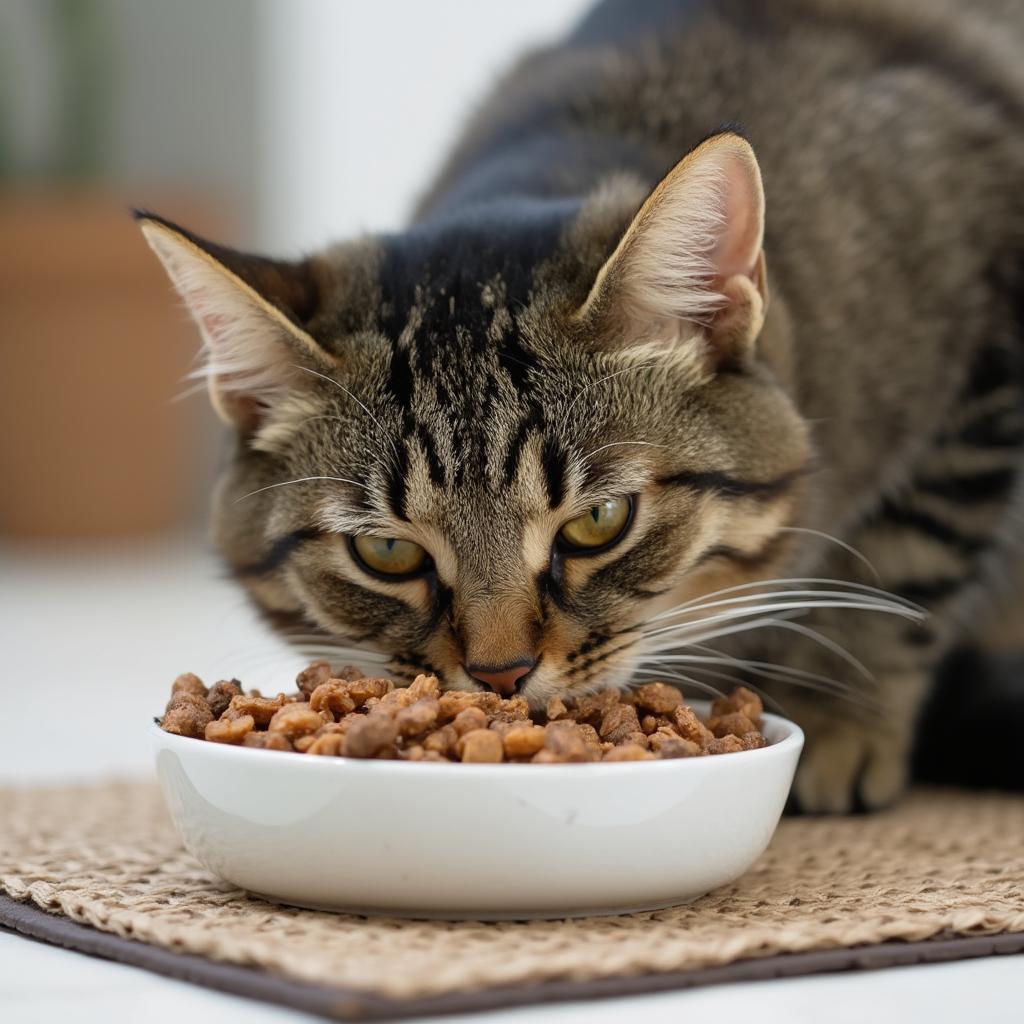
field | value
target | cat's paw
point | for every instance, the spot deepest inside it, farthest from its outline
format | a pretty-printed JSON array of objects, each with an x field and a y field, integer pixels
[{"x": 849, "y": 766}]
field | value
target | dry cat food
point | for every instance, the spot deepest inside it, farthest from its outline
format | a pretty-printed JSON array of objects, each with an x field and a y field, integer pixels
[{"x": 350, "y": 715}]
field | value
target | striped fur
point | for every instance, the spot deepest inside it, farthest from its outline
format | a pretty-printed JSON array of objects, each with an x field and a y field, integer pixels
[{"x": 532, "y": 345}]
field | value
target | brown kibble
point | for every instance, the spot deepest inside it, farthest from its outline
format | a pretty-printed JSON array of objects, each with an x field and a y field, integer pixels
[
  {"x": 418, "y": 717},
  {"x": 370, "y": 736},
  {"x": 619, "y": 721},
  {"x": 591, "y": 709},
  {"x": 455, "y": 701},
  {"x": 741, "y": 700},
  {"x": 480, "y": 746},
  {"x": 349, "y": 673},
  {"x": 441, "y": 741},
  {"x": 523, "y": 740},
  {"x": 659, "y": 698},
  {"x": 310, "y": 678},
  {"x": 563, "y": 739},
  {"x": 628, "y": 752},
  {"x": 262, "y": 709},
  {"x": 351, "y": 715},
  {"x": 232, "y": 731},
  {"x": 725, "y": 745},
  {"x": 468, "y": 720},
  {"x": 267, "y": 741},
  {"x": 424, "y": 687},
  {"x": 673, "y": 746},
  {"x": 295, "y": 720},
  {"x": 329, "y": 745},
  {"x": 555, "y": 708},
  {"x": 361, "y": 690},
  {"x": 334, "y": 696},
  {"x": 733, "y": 724},
  {"x": 187, "y": 716},
  {"x": 219, "y": 695},
  {"x": 188, "y": 682},
  {"x": 690, "y": 727}
]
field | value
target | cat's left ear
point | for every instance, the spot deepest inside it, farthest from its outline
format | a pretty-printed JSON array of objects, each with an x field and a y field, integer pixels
[{"x": 690, "y": 265}]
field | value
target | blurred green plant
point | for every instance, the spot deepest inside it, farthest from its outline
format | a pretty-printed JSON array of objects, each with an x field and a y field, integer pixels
[{"x": 77, "y": 44}]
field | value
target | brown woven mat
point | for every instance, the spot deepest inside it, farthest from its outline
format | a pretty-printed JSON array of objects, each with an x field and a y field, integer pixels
[{"x": 943, "y": 865}]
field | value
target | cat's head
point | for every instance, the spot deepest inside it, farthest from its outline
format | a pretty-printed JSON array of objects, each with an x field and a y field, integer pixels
[{"x": 496, "y": 445}]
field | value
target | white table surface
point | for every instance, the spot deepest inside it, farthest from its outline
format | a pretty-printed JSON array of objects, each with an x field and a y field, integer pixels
[{"x": 101, "y": 632}]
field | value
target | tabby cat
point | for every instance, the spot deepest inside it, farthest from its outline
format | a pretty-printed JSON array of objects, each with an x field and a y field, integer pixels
[{"x": 594, "y": 418}]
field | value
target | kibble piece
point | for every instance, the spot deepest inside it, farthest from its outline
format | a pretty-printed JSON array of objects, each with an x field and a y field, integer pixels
[
  {"x": 441, "y": 741},
  {"x": 295, "y": 720},
  {"x": 469, "y": 720},
  {"x": 480, "y": 746},
  {"x": 619, "y": 721},
  {"x": 591, "y": 709},
  {"x": 628, "y": 752},
  {"x": 690, "y": 727},
  {"x": 564, "y": 740},
  {"x": 219, "y": 695},
  {"x": 187, "y": 717},
  {"x": 659, "y": 698},
  {"x": 267, "y": 741},
  {"x": 334, "y": 696},
  {"x": 753, "y": 741},
  {"x": 639, "y": 738},
  {"x": 523, "y": 740},
  {"x": 741, "y": 700},
  {"x": 652, "y": 723},
  {"x": 455, "y": 701},
  {"x": 673, "y": 746},
  {"x": 310, "y": 678},
  {"x": 725, "y": 745},
  {"x": 232, "y": 731},
  {"x": 188, "y": 682},
  {"x": 732, "y": 724},
  {"x": 349, "y": 673},
  {"x": 329, "y": 745},
  {"x": 370, "y": 736},
  {"x": 361, "y": 690},
  {"x": 262, "y": 709},
  {"x": 555, "y": 708},
  {"x": 423, "y": 687},
  {"x": 418, "y": 717}
]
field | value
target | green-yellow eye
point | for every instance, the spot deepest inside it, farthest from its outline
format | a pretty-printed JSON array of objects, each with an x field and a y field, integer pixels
[
  {"x": 598, "y": 527},
  {"x": 389, "y": 556}
]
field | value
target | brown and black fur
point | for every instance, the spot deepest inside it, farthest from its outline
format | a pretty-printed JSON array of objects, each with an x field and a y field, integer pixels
[{"x": 466, "y": 391}]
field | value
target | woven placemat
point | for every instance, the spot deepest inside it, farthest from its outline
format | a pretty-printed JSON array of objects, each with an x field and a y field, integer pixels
[{"x": 940, "y": 876}]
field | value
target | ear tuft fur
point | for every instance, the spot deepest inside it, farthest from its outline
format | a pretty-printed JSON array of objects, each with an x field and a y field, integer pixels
[{"x": 253, "y": 346}]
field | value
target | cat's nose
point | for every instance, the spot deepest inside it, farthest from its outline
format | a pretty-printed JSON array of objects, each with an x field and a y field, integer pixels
[{"x": 502, "y": 679}]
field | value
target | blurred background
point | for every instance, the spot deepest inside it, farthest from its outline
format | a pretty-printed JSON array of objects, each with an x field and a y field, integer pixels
[{"x": 271, "y": 124}]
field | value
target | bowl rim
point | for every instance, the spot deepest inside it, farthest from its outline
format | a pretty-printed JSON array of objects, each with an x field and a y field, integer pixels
[{"x": 792, "y": 739}]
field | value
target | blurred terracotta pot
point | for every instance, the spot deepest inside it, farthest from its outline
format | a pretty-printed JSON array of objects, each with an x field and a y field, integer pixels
[{"x": 93, "y": 349}]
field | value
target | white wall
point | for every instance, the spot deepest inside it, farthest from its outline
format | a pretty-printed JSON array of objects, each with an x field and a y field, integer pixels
[{"x": 359, "y": 101}]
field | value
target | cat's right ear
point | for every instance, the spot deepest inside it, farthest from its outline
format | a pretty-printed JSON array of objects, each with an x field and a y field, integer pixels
[{"x": 249, "y": 311}]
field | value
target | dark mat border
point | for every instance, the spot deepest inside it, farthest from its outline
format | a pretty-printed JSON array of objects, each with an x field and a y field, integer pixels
[{"x": 353, "y": 1005}]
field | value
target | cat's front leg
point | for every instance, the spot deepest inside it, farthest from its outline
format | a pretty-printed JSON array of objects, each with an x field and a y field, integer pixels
[{"x": 854, "y": 759}]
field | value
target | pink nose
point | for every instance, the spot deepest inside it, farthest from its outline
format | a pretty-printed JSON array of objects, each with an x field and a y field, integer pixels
[{"x": 502, "y": 680}]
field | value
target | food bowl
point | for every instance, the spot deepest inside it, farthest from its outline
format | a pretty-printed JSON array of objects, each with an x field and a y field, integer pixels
[{"x": 482, "y": 842}]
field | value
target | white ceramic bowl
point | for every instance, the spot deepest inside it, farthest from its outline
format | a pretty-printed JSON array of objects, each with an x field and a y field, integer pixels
[{"x": 476, "y": 841}]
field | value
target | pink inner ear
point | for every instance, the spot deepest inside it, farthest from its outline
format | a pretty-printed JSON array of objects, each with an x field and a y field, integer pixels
[{"x": 739, "y": 245}]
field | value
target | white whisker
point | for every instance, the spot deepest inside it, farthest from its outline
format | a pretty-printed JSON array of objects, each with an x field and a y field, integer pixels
[
  {"x": 840, "y": 543},
  {"x": 593, "y": 384},
  {"x": 615, "y": 444},
  {"x": 300, "y": 480}
]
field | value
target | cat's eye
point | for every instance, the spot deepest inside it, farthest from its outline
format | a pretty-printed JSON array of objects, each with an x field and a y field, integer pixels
[
  {"x": 389, "y": 556},
  {"x": 598, "y": 528}
]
